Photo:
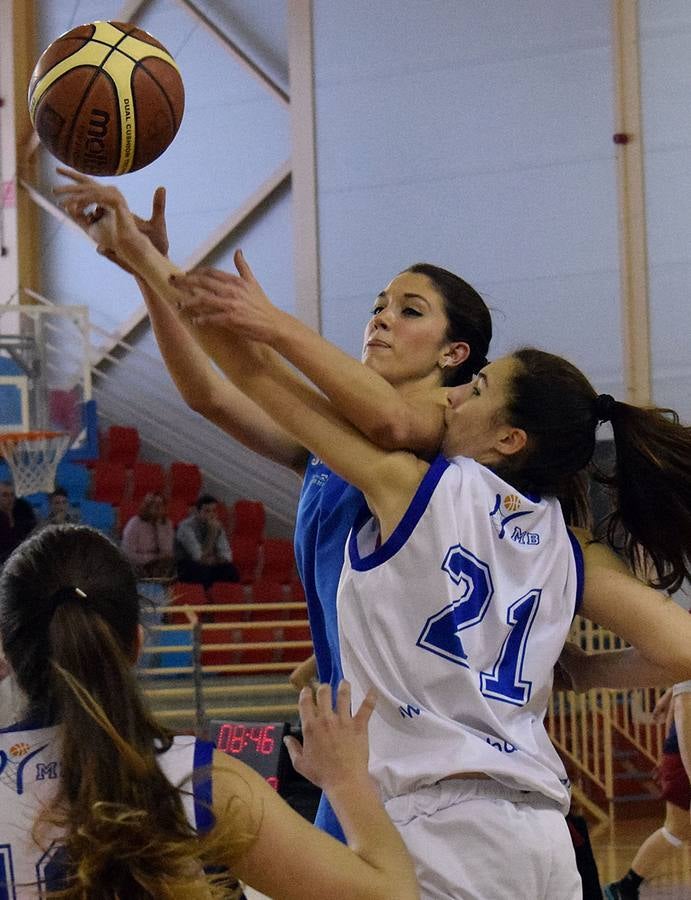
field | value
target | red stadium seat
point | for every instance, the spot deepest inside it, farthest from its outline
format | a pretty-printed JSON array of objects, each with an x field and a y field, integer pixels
[
  {"x": 221, "y": 636},
  {"x": 266, "y": 654},
  {"x": 296, "y": 592},
  {"x": 265, "y": 591},
  {"x": 109, "y": 481},
  {"x": 228, "y": 593},
  {"x": 122, "y": 445},
  {"x": 178, "y": 509},
  {"x": 184, "y": 482},
  {"x": 245, "y": 552},
  {"x": 278, "y": 560},
  {"x": 147, "y": 478},
  {"x": 249, "y": 518},
  {"x": 297, "y": 654},
  {"x": 182, "y": 594}
]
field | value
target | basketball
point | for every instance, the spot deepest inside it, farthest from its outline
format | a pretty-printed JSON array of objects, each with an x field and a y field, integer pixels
[{"x": 106, "y": 98}]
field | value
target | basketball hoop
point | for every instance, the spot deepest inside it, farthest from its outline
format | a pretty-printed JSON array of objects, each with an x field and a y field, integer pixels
[{"x": 33, "y": 458}]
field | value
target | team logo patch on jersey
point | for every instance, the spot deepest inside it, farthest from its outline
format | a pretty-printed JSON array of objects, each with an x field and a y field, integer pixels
[
  {"x": 18, "y": 750},
  {"x": 512, "y": 503},
  {"x": 500, "y": 521},
  {"x": 14, "y": 764},
  {"x": 524, "y": 537}
]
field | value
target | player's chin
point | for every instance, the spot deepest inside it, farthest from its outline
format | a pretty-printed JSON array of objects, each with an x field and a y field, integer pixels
[{"x": 381, "y": 361}]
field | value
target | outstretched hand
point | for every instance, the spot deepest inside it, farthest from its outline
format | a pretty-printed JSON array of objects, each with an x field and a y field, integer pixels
[
  {"x": 236, "y": 302},
  {"x": 335, "y": 748},
  {"x": 102, "y": 212}
]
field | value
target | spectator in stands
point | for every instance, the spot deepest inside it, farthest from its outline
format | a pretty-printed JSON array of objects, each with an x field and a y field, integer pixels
[
  {"x": 202, "y": 549},
  {"x": 147, "y": 539},
  {"x": 59, "y": 510},
  {"x": 17, "y": 520}
]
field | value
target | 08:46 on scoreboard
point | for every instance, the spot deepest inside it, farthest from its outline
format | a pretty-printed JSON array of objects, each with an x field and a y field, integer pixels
[{"x": 258, "y": 744}]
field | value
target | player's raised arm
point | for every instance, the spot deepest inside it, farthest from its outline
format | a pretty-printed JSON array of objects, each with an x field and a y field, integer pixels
[
  {"x": 388, "y": 479},
  {"x": 393, "y": 418},
  {"x": 285, "y": 856},
  {"x": 119, "y": 236}
]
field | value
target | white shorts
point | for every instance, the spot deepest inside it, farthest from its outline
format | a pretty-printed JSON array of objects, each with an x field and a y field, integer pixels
[{"x": 479, "y": 840}]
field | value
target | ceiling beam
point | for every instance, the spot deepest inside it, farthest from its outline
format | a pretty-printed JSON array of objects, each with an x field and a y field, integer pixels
[{"x": 237, "y": 52}]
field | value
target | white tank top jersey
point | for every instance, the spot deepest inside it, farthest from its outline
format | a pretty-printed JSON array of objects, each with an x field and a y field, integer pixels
[
  {"x": 29, "y": 774},
  {"x": 457, "y": 620}
]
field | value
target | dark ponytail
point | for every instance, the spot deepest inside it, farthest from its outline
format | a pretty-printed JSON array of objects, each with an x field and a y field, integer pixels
[
  {"x": 651, "y": 483},
  {"x": 468, "y": 317},
  {"x": 69, "y": 616}
]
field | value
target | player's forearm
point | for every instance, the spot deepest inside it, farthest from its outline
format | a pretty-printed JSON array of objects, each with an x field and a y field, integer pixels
[
  {"x": 371, "y": 834},
  {"x": 620, "y": 669},
  {"x": 295, "y": 406},
  {"x": 191, "y": 370},
  {"x": 209, "y": 394},
  {"x": 361, "y": 395}
]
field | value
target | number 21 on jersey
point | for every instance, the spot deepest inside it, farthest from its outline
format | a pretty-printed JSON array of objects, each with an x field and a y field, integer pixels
[{"x": 443, "y": 632}]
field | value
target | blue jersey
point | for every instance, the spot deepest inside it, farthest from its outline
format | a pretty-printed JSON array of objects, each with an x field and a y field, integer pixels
[{"x": 326, "y": 512}]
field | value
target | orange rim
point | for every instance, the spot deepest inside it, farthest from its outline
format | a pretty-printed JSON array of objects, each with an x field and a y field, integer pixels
[{"x": 14, "y": 437}]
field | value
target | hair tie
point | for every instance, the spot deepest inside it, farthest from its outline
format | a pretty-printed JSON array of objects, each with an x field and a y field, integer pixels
[
  {"x": 66, "y": 594},
  {"x": 604, "y": 407}
]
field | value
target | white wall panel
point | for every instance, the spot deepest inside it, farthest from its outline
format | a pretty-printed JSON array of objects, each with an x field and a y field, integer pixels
[
  {"x": 478, "y": 137},
  {"x": 666, "y": 103}
]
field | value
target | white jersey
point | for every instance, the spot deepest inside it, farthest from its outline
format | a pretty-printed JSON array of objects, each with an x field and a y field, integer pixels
[
  {"x": 457, "y": 620},
  {"x": 29, "y": 774}
]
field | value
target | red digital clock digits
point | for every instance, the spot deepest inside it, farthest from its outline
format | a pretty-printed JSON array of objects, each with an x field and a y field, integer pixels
[
  {"x": 231, "y": 739},
  {"x": 234, "y": 738},
  {"x": 258, "y": 744},
  {"x": 267, "y": 742}
]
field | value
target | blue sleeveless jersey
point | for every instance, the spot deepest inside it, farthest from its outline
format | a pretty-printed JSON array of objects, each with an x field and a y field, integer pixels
[{"x": 326, "y": 512}]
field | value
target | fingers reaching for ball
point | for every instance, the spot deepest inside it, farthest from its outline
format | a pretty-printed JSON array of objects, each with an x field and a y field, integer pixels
[
  {"x": 102, "y": 212},
  {"x": 224, "y": 300}
]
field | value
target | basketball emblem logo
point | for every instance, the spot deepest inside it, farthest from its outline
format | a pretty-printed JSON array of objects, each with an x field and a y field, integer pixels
[
  {"x": 512, "y": 502},
  {"x": 19, "y": 750}
]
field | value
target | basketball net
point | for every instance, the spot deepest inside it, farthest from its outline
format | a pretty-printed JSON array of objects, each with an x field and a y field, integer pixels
[{"x": 33, "y": 459}]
